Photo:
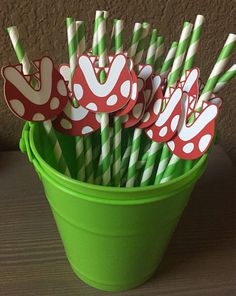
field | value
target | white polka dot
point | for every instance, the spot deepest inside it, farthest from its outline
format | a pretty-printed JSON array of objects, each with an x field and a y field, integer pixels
[
  {"x": 65, "y": 124},
  {"x": 92, "y": 106},
  {"x": 140, "y": 84},
  {"x": 134, "y": 91},
  {"x": 137, "y": 110},
  {"x": 98, "y": 117},
  {"x": 171, "y": 145},
  {"x": 188, "y": 148},
  {"x": 78, "y": 91},
  {"x": 174, "y": 123},
  {"x": 146, "y": 117},
  {"x": 125, "y": 118},
  {"x": 112, "y": 100},
  {"x": 18, "y": 107},
  {"x": 38, "y": 117},
  {"x": 86, "y": 130},
  {"x": 61, "y": 88},
  {"x": 125, "y": 88},
  {"x": 54, "y": 104},
  {"x": 204, "y": 142},
  {"x": 163, "y": 131},
  {"x": 157, "y": 107},
  {"x": 81, "y": 113},
  {"x": 150, "y": 133}
]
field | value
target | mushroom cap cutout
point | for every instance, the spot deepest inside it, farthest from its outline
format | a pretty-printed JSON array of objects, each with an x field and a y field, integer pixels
[
  {"x": 167, "y": 122},
  {"x": 146, "y": 73},
  {"x": 41, "y": 103},
  {"x": 154, "y": 108},
  {"x": 192, "y": 140},
  {"x": 109, "y": 96},
  {"x": 76, "y": 121}
]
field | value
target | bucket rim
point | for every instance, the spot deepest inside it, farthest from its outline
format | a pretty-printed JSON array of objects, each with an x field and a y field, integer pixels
[{"x": 186, "y": 177}]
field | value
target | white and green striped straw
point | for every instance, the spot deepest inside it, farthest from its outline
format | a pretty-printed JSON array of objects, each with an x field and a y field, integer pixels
[
  {"x": 95, "y": 33},
  {"x": 152, "y": 48},
  {"x": 137, "y": 31},
  {"x": 159, "y": 54},
  {"x": 168, "y": 62},
  {"x": 84, "y": 155},
  {"x": 194, "y": 43},
  {"x": 27, "y": 69},
  {"x": 105, "y": 129},
  {"x": 221, "y": 62},
  {"x": 112, "y": 43},
  {"x": 116, "y": 167},
  {"x": 225, "y": 78},
  {"x": 172, "y": 79},
  {"x": 218, "y": 69},
  {"x": 141, "y": 44}
]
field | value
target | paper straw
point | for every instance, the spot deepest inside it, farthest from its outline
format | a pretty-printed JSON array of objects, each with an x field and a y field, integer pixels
[
  {"x": 119, "y": 32},
  {"x": 221, "y": 62},
  {"x": 84, "y": 151},
  {"x": 27, "y": 69},
  {"x": 152, "y": 48},
  {"x": 218, "y": 69},
  {"x": 172, "y": 79},
  {"x": 95, "y": 37},
  {"x": 142, "y": 43},
  {"x": 112, "y": 44},
  {"x": 105, "y": 139},
  {"x": 194, "y": 43},
  {"x": 159, "y": 54},
  {"x": 225, "y": 78},
  {"x": 168, "y": 62},
  {"x": 137, "y": 136},
  {"x": 135, "y": 39}
]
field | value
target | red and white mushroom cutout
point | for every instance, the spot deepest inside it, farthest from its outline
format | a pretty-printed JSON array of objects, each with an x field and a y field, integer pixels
[
  {"x": 109, "y": 96},
  {"x": 75, "y": 121},
  {"x": 41, "y": 103},
  {"x": 193, "y": 140}
]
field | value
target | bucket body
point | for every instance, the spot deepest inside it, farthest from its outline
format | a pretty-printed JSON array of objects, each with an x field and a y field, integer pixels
[{"x": 114, "y": 238}]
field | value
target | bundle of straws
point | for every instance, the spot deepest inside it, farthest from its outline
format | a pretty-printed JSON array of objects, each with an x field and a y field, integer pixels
[{"x": 126, "y": 157}]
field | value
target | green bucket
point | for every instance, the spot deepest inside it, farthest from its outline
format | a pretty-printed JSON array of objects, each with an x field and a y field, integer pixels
[{"x": 114, "y": 238}]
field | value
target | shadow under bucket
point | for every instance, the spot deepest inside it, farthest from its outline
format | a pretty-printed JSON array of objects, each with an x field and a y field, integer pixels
[{"x": 114, "y": 238}]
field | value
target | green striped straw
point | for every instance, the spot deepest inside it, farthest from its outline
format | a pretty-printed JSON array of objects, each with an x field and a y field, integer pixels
[
  {"x": 218, "y": 69},
  {"x": 95, "y": 33},
  {"x": 168, "y": 62},
  {"x": 105, "y": 138},
  {"x": 142, "y": 43},
  {"x": 84, "y": 155},
  {"x": 221, "y": 62},
  {"x": 137, "y": 31},
  {"x": 159, "y": 54},
  {"x": 136, "y": 142},
  {"x": 194, "y": 43},
  {"x": 112, "y": 43},
  {"x": 165, "y": 154},
  {"x": 225, "y": 78},
  {"x": 27, "y": 69},
  {"x": 152, "y": 48},
  {"x": 116, "y": 168}
]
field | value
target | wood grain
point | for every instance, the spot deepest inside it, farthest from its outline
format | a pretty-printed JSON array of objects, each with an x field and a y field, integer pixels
[{"x": 200, "y": 260}]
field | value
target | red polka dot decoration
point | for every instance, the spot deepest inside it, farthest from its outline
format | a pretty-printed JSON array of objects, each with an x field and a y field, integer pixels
[
  {"x": 153, "y": 108},
  {"x": 39, "y": 103},
  {"x": 76, "y": 121},
  {"x": 109, "y": 96},
  {"x": 192, "y": 140}
]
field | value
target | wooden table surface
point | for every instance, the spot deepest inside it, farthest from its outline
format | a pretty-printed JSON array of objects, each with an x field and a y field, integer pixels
[{"x": 200, "y": 260}]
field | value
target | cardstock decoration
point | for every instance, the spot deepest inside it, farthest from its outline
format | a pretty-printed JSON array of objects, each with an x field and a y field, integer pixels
[
  {"x": 153, "y": 110},
  {"x": 41, "y": 103},
  {"x": 110, "y": 96},
  {"x": 146, "y": 72},
  {"x": 76, "y": 121},
  {"x": 137, "y": 84},
  {"x": 166, "y": 125},
  {"x": 193, "y": 140}
]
